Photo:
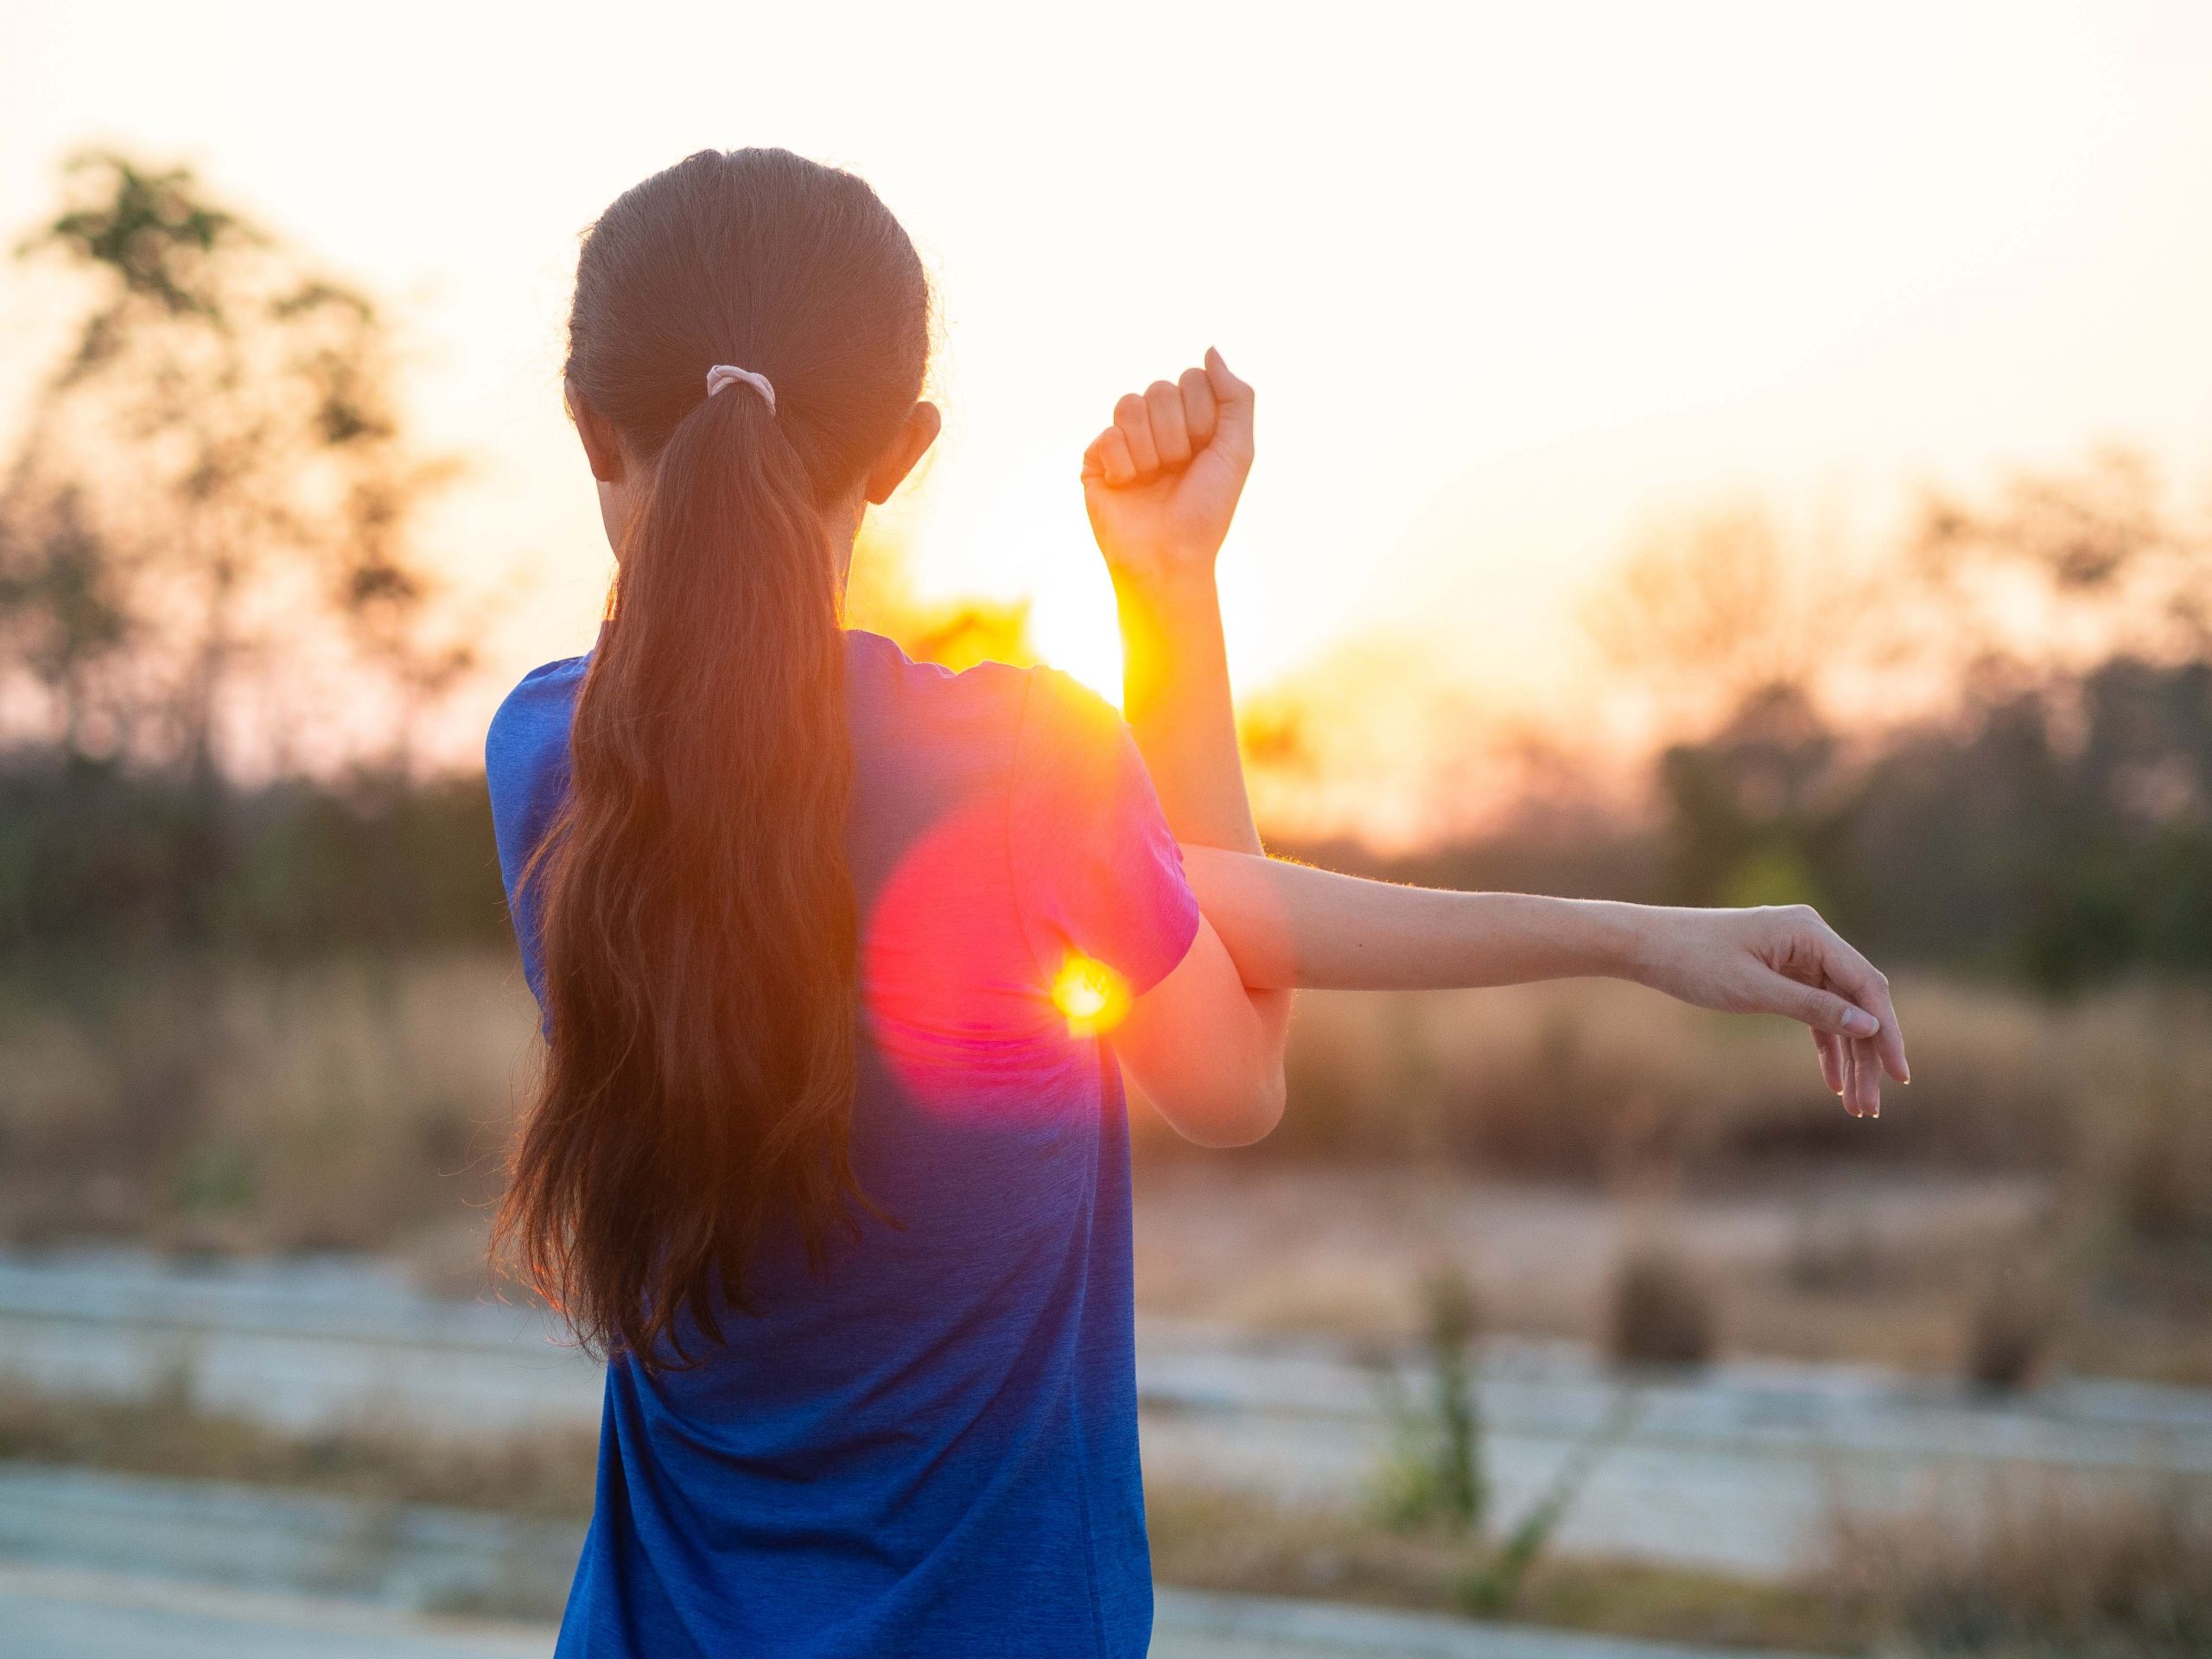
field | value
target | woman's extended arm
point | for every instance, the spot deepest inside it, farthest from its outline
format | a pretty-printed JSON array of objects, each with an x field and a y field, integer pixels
[{"x": 1288, "y": 924}]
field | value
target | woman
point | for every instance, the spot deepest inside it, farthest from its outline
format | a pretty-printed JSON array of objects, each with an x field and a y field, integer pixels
[{"x": 841, "y": 958}]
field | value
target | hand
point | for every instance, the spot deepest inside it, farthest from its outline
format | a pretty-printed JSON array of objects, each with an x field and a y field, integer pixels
[
  {"x": 1784, "y": 960},
  {"x": 1162, "y": 482}
]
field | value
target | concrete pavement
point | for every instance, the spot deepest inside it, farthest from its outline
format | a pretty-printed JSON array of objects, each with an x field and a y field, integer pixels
[
  {"x": 1735, "y": 1469},
  {"x": 49, "y": 1613}
]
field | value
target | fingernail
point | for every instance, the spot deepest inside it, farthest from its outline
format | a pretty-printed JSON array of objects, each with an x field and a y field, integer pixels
[{"x": 1859, "y": 1023}]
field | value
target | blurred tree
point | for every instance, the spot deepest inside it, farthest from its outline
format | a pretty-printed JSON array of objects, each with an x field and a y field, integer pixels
[
  {"x": 206, "y": 522},
  {"x": 2065, "y": 568},
  {"x": 1757, "y": 812},
  {"x": 2035, "y": 795},
  {"x": 205, "y": 564},
  {"x": 1707, "y": 615},
  {"x": 1727, "y": 637}
]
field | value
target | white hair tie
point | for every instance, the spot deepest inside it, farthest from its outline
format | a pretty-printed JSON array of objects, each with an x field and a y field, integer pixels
[{"x": 723, "y": 374}]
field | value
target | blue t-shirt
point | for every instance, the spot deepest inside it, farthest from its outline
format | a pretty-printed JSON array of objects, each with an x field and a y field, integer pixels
[{"x": 930, "y": 1448}]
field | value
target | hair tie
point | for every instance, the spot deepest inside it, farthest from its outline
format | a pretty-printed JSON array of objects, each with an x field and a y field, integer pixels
[{"x": 723, "y": 374}]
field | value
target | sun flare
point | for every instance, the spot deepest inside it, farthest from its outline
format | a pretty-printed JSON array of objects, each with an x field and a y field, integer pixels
[{"x": 1094, "y": 998}]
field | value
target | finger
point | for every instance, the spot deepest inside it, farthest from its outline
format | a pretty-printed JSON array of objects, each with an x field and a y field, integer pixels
[
  {"x": 1861, "y": 1065},
  {"x": 1867, "y": 1069},
  {"x": 1199, "y": 410},
  {"x": 1131, "y": 417},
  {"x": 1862, "y": 1076},
  {"x": 1861, "y": 981},
  {"x": 1236, "y": 400},
  {"x": 1831, "y": 1053},
  {"x": 1114, "y": 464},
  {"x": 1163, "y": 402},
  {"x": 1822, "y": 1010}
]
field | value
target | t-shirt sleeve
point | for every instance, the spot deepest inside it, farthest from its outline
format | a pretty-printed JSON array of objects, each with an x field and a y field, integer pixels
[
  {"x": 526, "y": 771},
  {"x": 1096, "y": 869}
]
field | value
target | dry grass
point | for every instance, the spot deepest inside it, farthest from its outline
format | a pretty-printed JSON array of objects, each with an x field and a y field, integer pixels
[
  {"x": 549, "y": 1472},
  {"x": 2100, "y": 1106},
  {"x": 1663, "y": 1310},
  {"x": 2011, "y": 1327},
  {"x": 1908, "y": 1268},
  {"x": 212, "y": 1106},
  {"x": 1583, "y": 1081},
  {"x": 1213, "y": 1540},
  {"x": 2034, "y": 1568},
  {"x": 1528, "y": 1133}
]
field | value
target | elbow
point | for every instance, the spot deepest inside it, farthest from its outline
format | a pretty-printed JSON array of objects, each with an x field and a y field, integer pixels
[{"x": 1236, "y": 1117}]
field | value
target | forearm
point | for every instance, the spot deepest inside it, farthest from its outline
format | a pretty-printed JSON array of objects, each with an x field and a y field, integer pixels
[
  {"x": 1175, "y": 695},
  {"x": 1290, "y": 926}
]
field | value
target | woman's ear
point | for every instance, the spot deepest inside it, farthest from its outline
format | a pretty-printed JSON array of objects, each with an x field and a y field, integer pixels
[
  {"x": 601, "y": 447},
  {"x": 911, "y": 443}
]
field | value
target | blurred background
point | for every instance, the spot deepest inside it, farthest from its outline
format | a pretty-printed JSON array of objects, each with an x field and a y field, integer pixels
[{"x": 1715, "y": 454}]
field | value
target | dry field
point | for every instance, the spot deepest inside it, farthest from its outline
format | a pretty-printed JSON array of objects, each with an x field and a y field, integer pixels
[{"x": 2043, "y": 1190}]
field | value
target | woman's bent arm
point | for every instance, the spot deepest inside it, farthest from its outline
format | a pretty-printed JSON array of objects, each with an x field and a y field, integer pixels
[
  {"x": 1160, "y": 484},
  {"x": 1286, "y": 924},
  {"x": 1207, "y": 1052}
]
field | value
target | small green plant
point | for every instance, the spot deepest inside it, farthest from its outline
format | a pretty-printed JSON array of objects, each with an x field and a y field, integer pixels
[
  {"x": 1434, "y": 1478},
  {"x": 1493, "y": 1587},
  {"x": 215, "y": 1177}
]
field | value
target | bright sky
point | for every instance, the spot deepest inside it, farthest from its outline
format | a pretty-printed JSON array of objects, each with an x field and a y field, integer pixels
[{"x": 1510, "y": 279}]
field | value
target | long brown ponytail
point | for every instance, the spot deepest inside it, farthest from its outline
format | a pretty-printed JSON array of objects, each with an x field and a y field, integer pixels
[{"x": 695, "y": 911}]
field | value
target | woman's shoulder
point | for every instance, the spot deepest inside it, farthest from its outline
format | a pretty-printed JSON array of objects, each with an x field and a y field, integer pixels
[
  {"x": 526, "y": 760},
  {"x": 1013, "y": 709},
  {"x": 874, "y": 657},
  {"x": 885, "y": 680},
  {"x": 532, "y": 719},
  {"x": 557, "y": 679}
]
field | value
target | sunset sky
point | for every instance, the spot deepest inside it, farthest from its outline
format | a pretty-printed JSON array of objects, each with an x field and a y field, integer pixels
[{"x": 1511, "y": 281}]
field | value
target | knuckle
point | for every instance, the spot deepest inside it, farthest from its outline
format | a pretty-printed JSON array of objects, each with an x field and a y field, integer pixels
[
  {"x": 1130, "y": 407},
  {"x": 1160, "y": 391}
]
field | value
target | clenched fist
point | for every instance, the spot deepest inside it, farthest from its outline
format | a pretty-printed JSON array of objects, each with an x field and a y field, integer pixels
[{"x": 1162, "y": 482}]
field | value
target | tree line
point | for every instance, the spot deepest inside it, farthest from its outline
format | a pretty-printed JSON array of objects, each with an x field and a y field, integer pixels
[{"x": 1990, "y": 748}]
